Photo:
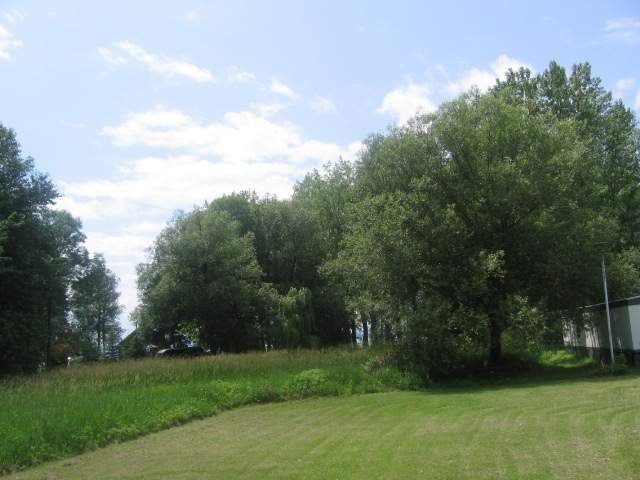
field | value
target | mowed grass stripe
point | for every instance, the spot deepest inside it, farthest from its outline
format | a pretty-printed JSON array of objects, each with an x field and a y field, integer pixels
[{"x": 567, "y": 430}]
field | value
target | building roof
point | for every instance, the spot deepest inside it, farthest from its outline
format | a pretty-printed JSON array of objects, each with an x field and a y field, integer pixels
[{"x": 616, "y": 303}]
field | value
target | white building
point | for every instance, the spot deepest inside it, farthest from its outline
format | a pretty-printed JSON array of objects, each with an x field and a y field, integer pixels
[{"x": 593, "y": 338}]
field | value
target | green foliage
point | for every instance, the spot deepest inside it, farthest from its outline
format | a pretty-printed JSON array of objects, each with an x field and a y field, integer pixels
[
  {"x": 622, "y": 271},
  {"x": 41, "y": 253},
  {"x": 244, "y": 273},
  {"x": 296, "y": 317},
  {"x": 309, "y": 382},
  {"x": 204, "y": 275},
  {"x": 487, "y": 218},
  {"x": 95, "y": 307},
  {"x": 394, "y": 378}
]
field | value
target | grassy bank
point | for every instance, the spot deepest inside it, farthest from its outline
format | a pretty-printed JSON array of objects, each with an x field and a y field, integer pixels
[
  {"x": 67, "y": 411},
  {"x": 560, "y": 429}
]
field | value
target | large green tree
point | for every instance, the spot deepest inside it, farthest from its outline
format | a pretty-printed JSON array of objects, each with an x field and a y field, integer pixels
[
  {"x": 62, "y": 264},
  {"x": 486, "y": 211},
  {"x": 95, "y": 307},
  {"x": 274, "y": 294},
  {"x": 41, "y": 255},
  {"x": 293, "y": 238},
  {"x": 28, "y": 278},
  {"x": 607, "y": 128},
  {"x": 203, "y": 277}
]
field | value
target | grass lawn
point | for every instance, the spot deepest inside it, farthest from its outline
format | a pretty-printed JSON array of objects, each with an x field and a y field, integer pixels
[{"x": 565, "y": 429}]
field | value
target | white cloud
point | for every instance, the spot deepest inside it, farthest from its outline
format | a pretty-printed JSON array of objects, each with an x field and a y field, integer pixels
[
  {"x": 123, "y": 244},
  {"x": 280, "y": 88},
  {"x": 7, "y": 43},
  {"x": 150, "y": 188},
  {"x": 235, "y": 75},
  {"x": 121, "y": 52},
  {"x": 91, "y": 208},
  {"x": 239, "y": 137},
  {"x": 14, "y": 17},
  {"x": 504, "y": 63},
  {"x": 322, "y": 105},
  {"x": 405, "y": 102},
  {"x": 111, "y": 57},
  {"x": 623, "y": 86},
  {"x": 475, "y": 77},
  {"x": 267, "y": 109},
  {"x": 243, "y": 151},
  {"x": 155, "y": 186},
  {"x": 624, "y": 29},
  {"x": 483, "y": 79}
]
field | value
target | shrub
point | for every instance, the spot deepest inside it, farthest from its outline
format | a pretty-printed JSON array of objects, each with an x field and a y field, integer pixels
[{"x": 308, "y": 383}]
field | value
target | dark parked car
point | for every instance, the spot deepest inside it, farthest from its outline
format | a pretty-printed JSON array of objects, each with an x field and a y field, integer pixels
[{"x": 181, "y": 352}]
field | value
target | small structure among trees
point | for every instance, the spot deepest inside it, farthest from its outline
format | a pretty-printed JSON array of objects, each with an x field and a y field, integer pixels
[{"x": 590, "y": 335}]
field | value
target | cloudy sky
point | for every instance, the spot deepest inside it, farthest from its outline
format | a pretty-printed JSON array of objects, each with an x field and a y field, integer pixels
[{"x": 139, "y": 108}]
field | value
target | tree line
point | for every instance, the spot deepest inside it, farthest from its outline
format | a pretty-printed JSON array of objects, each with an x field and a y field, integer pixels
[
  {"x": 56, "y": 300},
  {"x": 244, "y": 273},
  {"x": 465, "y": 232},
  {"x": 477, "y": 225}
]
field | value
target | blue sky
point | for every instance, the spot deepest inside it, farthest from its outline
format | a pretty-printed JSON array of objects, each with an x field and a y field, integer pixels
[{"x": 139, "y": 108}]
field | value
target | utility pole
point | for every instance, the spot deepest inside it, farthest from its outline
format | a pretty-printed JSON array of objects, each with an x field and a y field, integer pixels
[{"x": 606, "y": 302}]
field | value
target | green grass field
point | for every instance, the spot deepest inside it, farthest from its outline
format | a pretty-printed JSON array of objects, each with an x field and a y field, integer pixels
[
  {"x": 67, "y": 411},
  {"x": 562, "y": 419},
  {"x": 570, "y": 429}
]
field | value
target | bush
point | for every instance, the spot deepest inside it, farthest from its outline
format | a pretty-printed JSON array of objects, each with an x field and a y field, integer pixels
[{"x": 309, "y": 383}]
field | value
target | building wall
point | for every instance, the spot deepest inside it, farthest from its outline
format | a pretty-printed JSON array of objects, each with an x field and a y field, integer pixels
[
  {"x": 593, "y": 337},
  {"x": 621, "y": 330},
  {"x": 634, "y": 314}
]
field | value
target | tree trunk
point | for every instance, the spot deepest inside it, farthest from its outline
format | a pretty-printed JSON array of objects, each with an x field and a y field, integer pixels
[
  {"x": 375, "y": 330},
  {"x": 385, "y": 327},
  {"x": 354, "y": 339},
  {"x": 365, "y": 330},
  {"x": 100, "y": 337},
  {"x": 49, "y": 315}
]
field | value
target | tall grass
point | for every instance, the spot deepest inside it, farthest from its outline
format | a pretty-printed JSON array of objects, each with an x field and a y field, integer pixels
[{"x": 67, "y": 411}]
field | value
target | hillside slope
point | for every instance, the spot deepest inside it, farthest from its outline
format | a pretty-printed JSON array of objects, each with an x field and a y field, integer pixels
[{"x": 571, "y": 429}]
